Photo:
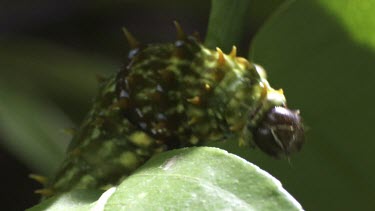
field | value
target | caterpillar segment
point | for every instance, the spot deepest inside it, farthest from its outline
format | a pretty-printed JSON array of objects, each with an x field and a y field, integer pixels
[{"x": 170, "y": 96}]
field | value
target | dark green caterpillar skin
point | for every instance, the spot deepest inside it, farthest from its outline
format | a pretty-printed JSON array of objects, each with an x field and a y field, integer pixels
[{"x": 168, "y": 96}]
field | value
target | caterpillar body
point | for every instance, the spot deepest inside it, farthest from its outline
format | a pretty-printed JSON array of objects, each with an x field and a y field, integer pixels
[{"x": 170, "y": 96}]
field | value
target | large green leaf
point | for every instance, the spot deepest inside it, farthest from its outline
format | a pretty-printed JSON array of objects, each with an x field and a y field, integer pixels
[
  {"x": 31, "y": 128},
  {"x": 322, "y": 53},
  {"x": 200, "y": 178}
]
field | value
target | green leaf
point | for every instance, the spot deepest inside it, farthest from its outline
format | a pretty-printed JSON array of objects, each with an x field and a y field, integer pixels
[
  {"x": 322, "y": 53},
  {"x": 200, "y": 178}
]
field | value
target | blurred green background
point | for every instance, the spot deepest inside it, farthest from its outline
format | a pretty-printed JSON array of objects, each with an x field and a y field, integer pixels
[{"x": 322, "y": 53}]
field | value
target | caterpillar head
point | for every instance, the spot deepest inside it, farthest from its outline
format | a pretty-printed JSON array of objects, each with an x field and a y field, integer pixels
[
  {"x": 280, "y": 132},
  {"x": 275, "y": 129}
]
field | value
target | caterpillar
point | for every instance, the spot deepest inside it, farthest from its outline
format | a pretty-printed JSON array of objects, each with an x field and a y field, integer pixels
[{"x": 170, "y": 96}]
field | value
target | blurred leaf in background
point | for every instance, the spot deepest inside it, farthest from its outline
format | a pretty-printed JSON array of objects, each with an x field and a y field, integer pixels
[
  {"x": 31, "y": 129},
  {"x": 322, "y": 54}
]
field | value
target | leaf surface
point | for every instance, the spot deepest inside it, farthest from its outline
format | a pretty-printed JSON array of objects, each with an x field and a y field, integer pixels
[{"x": 199, "y": 178}]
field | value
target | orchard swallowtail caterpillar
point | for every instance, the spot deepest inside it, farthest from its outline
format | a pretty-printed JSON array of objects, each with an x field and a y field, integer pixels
[{"x": 170, "y": 96}]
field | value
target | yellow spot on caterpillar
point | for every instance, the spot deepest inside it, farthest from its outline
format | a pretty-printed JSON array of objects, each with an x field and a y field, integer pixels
[
  {"x": 180, "y": 108},
  {"x": 41, "y": 179},
  {"x": 129, "y": 160},
  {"x": 194, "y": 140},
  {"x": 87, "y": 180},
  {"x": 140, "y": 139},
  {"x": 207, "y": 87}
]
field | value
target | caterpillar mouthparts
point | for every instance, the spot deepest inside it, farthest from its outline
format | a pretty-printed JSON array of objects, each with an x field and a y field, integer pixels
[{"x": 175, "y": 95}]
